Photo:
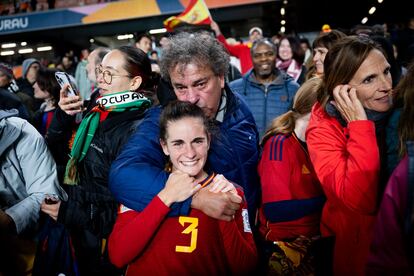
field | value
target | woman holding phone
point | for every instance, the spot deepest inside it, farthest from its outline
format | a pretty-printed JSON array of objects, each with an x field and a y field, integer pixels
[
  {"x": 126, "y": 88},
  {"x": 345, "y": 139},
  {"x": 151, "y": 243}
]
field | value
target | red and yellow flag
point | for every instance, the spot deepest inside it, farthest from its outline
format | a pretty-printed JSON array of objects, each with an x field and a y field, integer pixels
[{"x": 196, "y": 13}]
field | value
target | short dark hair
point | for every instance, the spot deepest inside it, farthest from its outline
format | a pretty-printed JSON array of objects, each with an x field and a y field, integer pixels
[
  {"x": 141, "y": 36},
  {"x": 306, "y": 41},
  {"x": 46, "y": 81},
  {"x": 261, "y": 41}
]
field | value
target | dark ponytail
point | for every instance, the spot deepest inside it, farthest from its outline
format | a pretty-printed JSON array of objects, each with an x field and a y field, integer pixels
[{"x": 137, "y": 63}]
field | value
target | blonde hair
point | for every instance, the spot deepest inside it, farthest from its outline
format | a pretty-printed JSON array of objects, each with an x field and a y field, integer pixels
[{"x": 304, "y": 99}]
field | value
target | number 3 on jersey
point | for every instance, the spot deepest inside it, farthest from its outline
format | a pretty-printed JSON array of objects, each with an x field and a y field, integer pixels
[{"x": 191, "y": 229}]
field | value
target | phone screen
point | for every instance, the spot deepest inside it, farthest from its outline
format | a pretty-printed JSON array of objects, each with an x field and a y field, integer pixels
[{"x": 63, "y": 78}]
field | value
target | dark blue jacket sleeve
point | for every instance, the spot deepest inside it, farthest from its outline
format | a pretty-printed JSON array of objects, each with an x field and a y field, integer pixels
[{"x": 137, "y": 175}]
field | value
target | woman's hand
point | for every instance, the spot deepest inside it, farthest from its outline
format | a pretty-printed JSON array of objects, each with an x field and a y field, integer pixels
[
  {"x": 179, "y": 187},
  {"x": 71, "y": 105},
  {"x": 348, "y": 104},
  {"x": 221, "y": 184},
  {"x": 51, "y": 209}
]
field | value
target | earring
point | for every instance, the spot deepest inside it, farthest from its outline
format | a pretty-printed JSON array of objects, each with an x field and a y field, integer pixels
[{"x": 168, "y": 166}]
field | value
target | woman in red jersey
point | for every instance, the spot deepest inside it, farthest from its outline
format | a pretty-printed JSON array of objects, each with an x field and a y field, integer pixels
[
  {"x": 292, "y": 198},
  {"x": 150, "y": 242}
]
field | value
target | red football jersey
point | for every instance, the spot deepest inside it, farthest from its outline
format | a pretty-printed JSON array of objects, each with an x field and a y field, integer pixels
[
  {"x": 153, "y": 244},
  {"x": 292, "y": 197}
]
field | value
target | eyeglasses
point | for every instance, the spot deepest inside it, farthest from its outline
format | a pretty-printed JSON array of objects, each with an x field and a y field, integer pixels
[{"x": 106, "y": 74}]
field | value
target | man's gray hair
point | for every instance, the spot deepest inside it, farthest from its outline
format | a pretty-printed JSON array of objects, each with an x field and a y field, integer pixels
[{"x": 199, "y": 48}]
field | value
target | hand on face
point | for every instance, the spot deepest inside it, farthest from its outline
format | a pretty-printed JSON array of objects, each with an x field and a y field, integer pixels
[
  {"x": 373, "y": 82},
  {"x": 348, "y": 104},
  {"x": 71, "y": 105}
]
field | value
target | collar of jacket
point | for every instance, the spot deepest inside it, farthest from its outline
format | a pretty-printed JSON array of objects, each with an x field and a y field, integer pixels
[
  {"x": 281, "y": 78},
  {"x": 231, "y": 102},
  {"x": 8, "y": 132}
]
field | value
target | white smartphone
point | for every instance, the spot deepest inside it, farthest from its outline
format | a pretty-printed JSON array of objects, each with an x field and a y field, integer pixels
[{"x": 64, "y": 78}]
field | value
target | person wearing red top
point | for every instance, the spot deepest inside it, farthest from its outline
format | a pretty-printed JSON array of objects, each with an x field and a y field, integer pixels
[
  {"x": 241, "y": 51},
  {"x": 342, "y": 135},
  {"x": 292, "y": 198},
  {"x": 150, "y": 242}
]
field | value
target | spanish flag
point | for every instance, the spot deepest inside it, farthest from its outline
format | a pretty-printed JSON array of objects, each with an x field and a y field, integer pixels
[{"x": 196, "y": 13}]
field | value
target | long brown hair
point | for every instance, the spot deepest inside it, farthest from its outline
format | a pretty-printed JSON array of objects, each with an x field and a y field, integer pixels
[
  {"x": 324, "y": 40},
  {"x": 304, "y": 99},
  {"x": 327, "y": 40},
  {"x": 342, "y": 62},
  {"x": 405, "y": 90}
]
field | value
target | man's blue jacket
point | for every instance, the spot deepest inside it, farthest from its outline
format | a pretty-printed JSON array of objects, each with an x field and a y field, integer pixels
[
  {"x": 138, "y": 175},
  {"x": 266, "y": 101}
]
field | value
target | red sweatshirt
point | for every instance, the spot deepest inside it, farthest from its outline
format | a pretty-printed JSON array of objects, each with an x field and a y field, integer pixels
[
  {"x": 241, "y": 51},
  {"x": 153, "y": 244},
  {"x": 346, "y": 161}
]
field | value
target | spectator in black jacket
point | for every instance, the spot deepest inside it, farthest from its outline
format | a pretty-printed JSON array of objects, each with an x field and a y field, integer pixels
[
  {"x": 125, "y": 92},
  {"x": 25, "y": 83}
]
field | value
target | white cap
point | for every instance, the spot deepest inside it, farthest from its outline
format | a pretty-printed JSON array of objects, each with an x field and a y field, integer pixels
[{"x": 256, "y": 29}]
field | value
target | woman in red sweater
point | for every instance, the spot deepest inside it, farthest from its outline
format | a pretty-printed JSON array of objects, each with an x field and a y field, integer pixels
[
  {"x": 344, "y": 139},
  {"x": 151, "y": 243}
]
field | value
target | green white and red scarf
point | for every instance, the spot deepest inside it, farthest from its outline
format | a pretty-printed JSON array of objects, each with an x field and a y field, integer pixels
[{"x": 115, "y": 102}]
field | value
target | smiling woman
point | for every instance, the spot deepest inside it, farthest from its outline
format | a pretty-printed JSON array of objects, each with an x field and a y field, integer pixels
[
  {"x": 345, "y": 125},
  {"x": 290, "y": 57},
  {"x": 187, "y": 144},
  {"x": 152, "y": 243},
  {"x": 125, "y": 90}
]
